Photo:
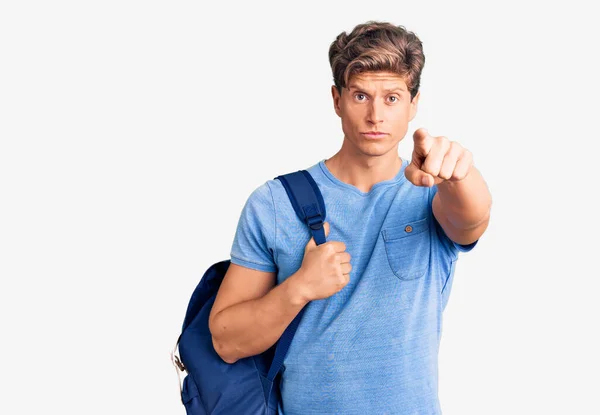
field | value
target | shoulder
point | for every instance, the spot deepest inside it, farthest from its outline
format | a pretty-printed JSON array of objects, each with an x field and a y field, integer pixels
[
  {"x": 258, "y": 205},
  {"x": 278, "y": 191},
  {"x": 261, "y": 195}
]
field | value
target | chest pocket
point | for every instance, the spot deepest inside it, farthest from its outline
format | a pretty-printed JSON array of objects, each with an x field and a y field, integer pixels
[{"x": 408, "y": 248}]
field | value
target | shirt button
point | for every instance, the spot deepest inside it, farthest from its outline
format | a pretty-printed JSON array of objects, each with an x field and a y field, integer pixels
[{"x": 408, "y": 228}]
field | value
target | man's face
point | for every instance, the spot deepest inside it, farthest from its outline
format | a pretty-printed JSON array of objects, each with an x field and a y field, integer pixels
[{"x": 375, "y": 101}]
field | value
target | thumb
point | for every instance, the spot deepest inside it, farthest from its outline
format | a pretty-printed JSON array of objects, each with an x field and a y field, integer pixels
[
  {"x": 417, "y": 176},
  {"x": 311, "y": 243}
]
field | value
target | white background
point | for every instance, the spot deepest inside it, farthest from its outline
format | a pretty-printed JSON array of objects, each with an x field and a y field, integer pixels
[{"x": 132, "y": 133}]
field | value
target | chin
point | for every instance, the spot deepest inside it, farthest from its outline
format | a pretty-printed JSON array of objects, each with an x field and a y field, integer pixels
[
  {"x": 375, "y": 148},
  {"x": 375, "y": 152}
]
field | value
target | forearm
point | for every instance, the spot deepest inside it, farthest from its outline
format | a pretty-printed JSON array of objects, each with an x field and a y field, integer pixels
[
  {"x": 250, "y": 328},
  {"x": 464, "y": 204}
]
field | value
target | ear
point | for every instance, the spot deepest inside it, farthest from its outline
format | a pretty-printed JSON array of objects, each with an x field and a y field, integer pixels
[
  {"x": 336, "y": 100},
  {"x": 413, "y": 106}
]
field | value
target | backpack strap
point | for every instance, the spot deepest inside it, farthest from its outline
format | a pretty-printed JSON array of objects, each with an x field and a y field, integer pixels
[{"x": 308, "y": 203}]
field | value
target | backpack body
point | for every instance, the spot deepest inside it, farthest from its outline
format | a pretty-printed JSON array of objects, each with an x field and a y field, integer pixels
[{"x": 250, "y": 385}]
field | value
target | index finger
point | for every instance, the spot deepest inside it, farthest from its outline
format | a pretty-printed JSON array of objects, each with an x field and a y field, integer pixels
[{"x": 420, "y": 135}]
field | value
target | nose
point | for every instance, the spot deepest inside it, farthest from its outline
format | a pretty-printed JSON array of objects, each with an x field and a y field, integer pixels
[{"x": 375, "y": 112}]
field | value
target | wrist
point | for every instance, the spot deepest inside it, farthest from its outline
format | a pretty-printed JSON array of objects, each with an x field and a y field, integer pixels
[{"x": 295, "y": 290}]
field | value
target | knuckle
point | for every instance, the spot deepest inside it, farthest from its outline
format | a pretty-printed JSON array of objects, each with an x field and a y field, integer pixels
[
  {"x": 443, "y": 176},
  {"x": 432, "y": 170}
]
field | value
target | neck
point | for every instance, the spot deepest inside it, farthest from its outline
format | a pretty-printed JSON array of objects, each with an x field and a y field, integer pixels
[{"x": 363, "y": 171}]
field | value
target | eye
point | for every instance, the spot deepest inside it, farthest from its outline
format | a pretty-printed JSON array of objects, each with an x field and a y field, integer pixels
[
  {"x": 395, "y": 98},
  {"x": 359, "y": 95}
]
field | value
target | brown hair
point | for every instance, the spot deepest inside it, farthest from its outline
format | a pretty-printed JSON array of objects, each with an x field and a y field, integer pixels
[{"x": 377, "y": 46}]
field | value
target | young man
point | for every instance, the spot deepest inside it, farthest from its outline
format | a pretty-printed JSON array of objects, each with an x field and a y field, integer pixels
[{"x": 375, "y": 291}]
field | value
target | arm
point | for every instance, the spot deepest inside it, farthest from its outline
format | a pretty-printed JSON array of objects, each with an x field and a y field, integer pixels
[
  {"x": 463, "y": 201},
  {"x": 463, "y": 207},
  {"x": 244, "y": 320}
]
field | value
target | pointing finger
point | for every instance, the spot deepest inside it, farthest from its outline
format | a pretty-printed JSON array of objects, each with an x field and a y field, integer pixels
[{"x": 422, "y": 141}]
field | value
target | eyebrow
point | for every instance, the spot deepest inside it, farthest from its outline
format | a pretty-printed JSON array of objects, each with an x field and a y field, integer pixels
[{"x": 385, "y": 90}]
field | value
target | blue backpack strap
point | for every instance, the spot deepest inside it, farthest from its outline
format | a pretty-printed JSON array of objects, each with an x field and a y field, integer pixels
[{"x": 308, "y": 203}]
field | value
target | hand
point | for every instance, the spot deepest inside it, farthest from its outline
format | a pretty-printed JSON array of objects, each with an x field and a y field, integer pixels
[
  {"x": 325, "y": 269},
  {"x": 437, "y": 159}
]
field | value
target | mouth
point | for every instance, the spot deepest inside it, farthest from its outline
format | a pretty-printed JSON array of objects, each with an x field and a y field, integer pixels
[{"x": 374, "y": 134}]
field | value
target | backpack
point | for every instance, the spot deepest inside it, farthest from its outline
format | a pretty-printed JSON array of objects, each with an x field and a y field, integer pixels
[{"x": 251, "y": 384}]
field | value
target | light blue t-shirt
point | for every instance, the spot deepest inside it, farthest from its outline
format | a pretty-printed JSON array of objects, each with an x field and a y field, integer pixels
[{"x": 371, "y": 348}]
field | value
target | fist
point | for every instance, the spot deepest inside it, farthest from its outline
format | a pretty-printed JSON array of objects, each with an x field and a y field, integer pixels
[
  {"x": 325, "y": 269},
  {"x": 437, "y": 159}
]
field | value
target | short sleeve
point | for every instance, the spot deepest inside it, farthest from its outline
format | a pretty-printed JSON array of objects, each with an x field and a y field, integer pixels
[
  {"x": 452, "y": 248},
  {"x": 254, "y": 241}
]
